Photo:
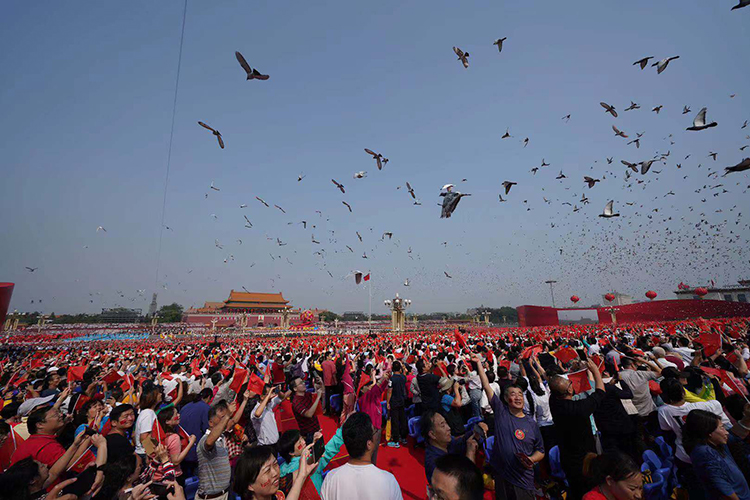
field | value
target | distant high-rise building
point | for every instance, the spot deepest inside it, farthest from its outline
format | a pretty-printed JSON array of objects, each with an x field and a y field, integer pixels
[{"x": 152, "y": 307}]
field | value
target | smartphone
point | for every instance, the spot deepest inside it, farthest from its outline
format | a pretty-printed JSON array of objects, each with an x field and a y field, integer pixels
[
  {"x": 88, "y": 431},
  {"x": 479, "y": 433},
  {"x": 317, "y": 451},
  {"x": 581, "y": 354},
  {"x": 161, "y": 489},
  {"x": 84, "y": 482}
]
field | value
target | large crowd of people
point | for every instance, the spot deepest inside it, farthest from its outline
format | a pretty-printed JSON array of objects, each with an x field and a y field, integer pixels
[{"x": 647, "y": 410}]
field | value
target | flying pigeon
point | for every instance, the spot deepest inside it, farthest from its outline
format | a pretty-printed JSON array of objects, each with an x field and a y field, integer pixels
[
  {"x": 657, "y": 108},
  {"x": 248, "y": 221},
  {"x": 507, "y": 185},
  {"x": 544, "y": 164},
  {"x": 360, "y": 174},
  {"x": 743, "y": 3},
  {"x": 262, "y": 201},
  {"x": 619, "y": 132},
  {"x": 645, "y": 166},
  {"x": 340, "y": 186},
  {"x": 101, "y": 228},
  {"x": 406, "y": 282},
  {"x": 284, "y": 211},
  {"x": 740, "y": 167},
  {"x": 450, "y": 200},
  {"x": 608, "y": 211},
  {"x": 31, "y": 269},
  {"x": 411, "y": 190},
  {"x": 377, "y": 157},
  {"x": 662, "y": 65},
  {"x": 637, "y": 143},
  {"x": 300, "y": 177},
  {"x": 609, "y": 160},
  {"x": 347, "y": 205},
  {"x": 244, "y": 205},
  {"x": 561, "y": 176},
  {"x": 685, "y": 110},
  {"x": 215, "y": 132},
  {"x": 214, "y": 187},
  {"x": 643, "y": 62},
  {"x": 387, "y": 233},
  {"x": 590, "y": 181},
  {"x": 501, "y": 198},
  {"x": 462, "y": 56},
  {"x": 633, "y": 105},
  {"x": 447, "y": 275},
  {"x": 609, "y": 109},
  {"x": 499, "y": 43},
  {"x": 252, "y": 74},
  {"x": 699, "y": 123},
  {"x": 506, "y": 134}
]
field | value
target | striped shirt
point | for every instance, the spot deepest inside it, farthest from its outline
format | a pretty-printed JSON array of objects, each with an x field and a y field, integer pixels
[{"x": 214, "y": 471}]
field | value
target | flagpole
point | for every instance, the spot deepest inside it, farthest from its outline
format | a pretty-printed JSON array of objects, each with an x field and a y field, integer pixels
[{"x": 369, "y": 316}]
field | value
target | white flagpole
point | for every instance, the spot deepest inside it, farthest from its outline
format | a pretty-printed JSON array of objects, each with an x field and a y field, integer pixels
[{"x": 369, "y": 317}]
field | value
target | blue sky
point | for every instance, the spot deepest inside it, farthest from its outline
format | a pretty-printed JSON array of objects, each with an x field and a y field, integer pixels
[{"x": 87, "y": 101}]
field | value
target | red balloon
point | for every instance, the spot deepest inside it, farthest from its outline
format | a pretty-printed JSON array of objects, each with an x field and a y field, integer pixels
[
  {"x": 610, "y": 297},
  {"x": 700, "y": 292},
  {"x": 574, "y": 299},
  {"x": 651, "y": 294}
]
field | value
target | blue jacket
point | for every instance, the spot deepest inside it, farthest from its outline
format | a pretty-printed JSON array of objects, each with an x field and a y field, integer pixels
[{"x": 332, "y": 448}]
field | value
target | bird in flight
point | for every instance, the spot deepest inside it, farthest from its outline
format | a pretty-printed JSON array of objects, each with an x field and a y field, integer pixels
[
  {"x": 633, "y": 105},
  {"x": 699, "y": 123},
  {"x": 561, "y": 176},
  {"x": 742, "y": 3},
  {"x": 643, "y": 62},
  {"x": 214, "y": 187},
  {"x": 31, "y": 269},
  {"x": 377, "y": 157},
  {"x": 590, "y": 181},
  {"x": 360, "y": 174},
  {"x": 450, "y": 200},
  {"x": 566, "y": 118},
  {"x": 507, "y": 185},
  {"x": 410, "y": 190},
  {"x": 657, "y": 108},
  {"x": 619, "y": 133},
  {"x": 740, "y": 167},
  {"x": 340, "y": 186},
  {"x": 462, "y": 56},
  {"x": 252, "y": 74},
  {"x": 501, "y": 198},
  {"x": 685, "y": 110},
  {"x": 250, "y": 224},
  {"x": 637, "y": 143},
  {"x": 609, "y": 109},
  {"x": 662, "y": 65},
  {"x": 261, "y": 200},
  {"x": 101, "y": 228},
  {"x": 447, "y": 275},
  {"x": 506, "y": 134},
  {"x": 499, "y": 43},
  {"x": 284, "y": 211},
  {"x": 608, "y": 211},
  {"x": 347, "y": 205},
  {"x": 215, "y": 132},
  {"x": 300, "y": 177}
]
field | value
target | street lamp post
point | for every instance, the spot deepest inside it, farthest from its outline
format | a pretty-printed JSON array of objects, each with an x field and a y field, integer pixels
[
  {"x": 551, "y": 291},
  {"x": 397, "y": 307}
]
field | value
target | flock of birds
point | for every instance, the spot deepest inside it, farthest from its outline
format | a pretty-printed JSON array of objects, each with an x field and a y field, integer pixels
[{"x": 710, "y": 243}]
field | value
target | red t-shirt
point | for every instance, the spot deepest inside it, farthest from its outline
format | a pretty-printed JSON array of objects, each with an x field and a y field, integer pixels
[
  {"x": 595, "y": 494},
  {"x": 43, "y": 448},
  {"x": 300, "y": 404}
]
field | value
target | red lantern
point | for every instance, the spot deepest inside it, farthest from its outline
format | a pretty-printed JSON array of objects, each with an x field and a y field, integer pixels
[
  {"x": 651, "y": 294},
  {"x": 610, "y": 297},
  {"x": 574, "y": 299},
  {"x": 700, "y": 292}
]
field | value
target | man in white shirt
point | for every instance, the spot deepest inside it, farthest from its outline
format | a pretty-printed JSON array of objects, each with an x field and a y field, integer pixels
[
  {"x": 672, "y": 415},
  {"x": 659, "y": 354},
  {"x": 359, "y": 478},
  {"x": 685, "y": 352},
  {"x": 263, "y": 417}
]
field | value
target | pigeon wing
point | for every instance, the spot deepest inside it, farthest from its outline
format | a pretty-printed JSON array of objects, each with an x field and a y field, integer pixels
[
  {"x": 243, "y": 63},
  {"x": 206, "y": 126}
]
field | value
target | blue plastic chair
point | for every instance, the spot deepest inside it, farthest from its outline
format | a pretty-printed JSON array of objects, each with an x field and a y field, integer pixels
[
  {"x": 655, "y": 465},
  {"x": 409, "y": 412},
  {"x": 415, "y": 429},
  {"x": 489, "y": 443},
  {"x": 191, "y": 487},
  {"x": 555, "y": 465},
  {"x": 472, "y": 421},
  {"x": 655, "y": 490},
  {"x": 665, "y": 451},
  {"x": 336, "y": 401}
]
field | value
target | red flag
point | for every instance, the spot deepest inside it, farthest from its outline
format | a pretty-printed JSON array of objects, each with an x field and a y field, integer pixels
[
  {"x": 157, "y": 432},
  {"x": 238, "y": 379},
  {"x": 530, "y": 351},
  {"x": 710, "y": 341},
  {"x": 363, "y": 381},
  {"x": 461, "y": 340},
  {"x": 112, "y": 377},
  {"x": 255, "y": 384},
  {"x": 366, "y": 277},
  {"x": 76, "y": 372},
  {"x": 566, "y": 354},
  {"x": 580, "y": 381}
]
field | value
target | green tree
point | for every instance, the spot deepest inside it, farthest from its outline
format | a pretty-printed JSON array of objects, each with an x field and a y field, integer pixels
[
  {"x": 328, "y": 316},
  {"x": 171, "y": 313}
]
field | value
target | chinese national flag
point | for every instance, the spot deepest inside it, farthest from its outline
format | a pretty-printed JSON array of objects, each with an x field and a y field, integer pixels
[
  {"x": 76, "y": 372},
  {"x": 157, "y": 432},
  {"x": 566, "y": 354},
  {"x": 580, "y": 381},
  {"x": 530, "y": 351},
  {"x": 366, "y": 277},
  {"x": 460, "y": 340},
  {"x": 255, "y": 384},
  {"x": 238, "y": 379},
  {"x": 112, "y": 377},
  {"x": 711, "y": 341}
]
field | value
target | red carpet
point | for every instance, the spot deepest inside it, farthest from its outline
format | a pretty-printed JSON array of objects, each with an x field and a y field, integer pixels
[{"x": 406, "y": 463}]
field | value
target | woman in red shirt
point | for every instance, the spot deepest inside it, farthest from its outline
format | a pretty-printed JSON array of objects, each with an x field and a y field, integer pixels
[{"x": 617, "y": 477}]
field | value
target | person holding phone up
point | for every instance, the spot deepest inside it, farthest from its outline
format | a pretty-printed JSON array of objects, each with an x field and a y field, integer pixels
[{"x": 518, "y": 441}]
